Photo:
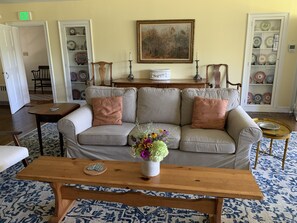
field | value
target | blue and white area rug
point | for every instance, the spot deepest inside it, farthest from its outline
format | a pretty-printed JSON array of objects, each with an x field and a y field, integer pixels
[{"x": 31, "y": 201}]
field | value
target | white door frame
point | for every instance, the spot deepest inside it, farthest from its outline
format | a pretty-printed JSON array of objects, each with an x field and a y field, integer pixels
[{"x": 47, "y": 42}]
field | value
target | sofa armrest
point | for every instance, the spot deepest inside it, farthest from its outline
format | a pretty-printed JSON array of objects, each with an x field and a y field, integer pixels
[
  {"x": 76, "y": 122},
  {"x": 244, "y": 131}
]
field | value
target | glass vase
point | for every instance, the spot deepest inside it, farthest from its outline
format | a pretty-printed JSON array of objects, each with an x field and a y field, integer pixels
[{"x": 150, "y": 168}]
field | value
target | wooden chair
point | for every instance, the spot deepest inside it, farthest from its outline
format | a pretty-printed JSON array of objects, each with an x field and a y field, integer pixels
[
  {"x": 105, "y": 73},
  {"x": 10, "y": 155},
  {"x": 219, "y": 72},
  {"x": 41, "y": 78}
]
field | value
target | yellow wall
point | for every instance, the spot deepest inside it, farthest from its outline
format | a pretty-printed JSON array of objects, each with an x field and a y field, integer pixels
[
  {"x": 2, "y": 81},
  {"x": 219, "y": 33}
]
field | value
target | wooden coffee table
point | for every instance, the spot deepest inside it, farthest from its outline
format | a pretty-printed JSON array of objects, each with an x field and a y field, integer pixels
[
  {"x": 215, "y": 182},
  {"x": 51, "y": 112},
  {"x": 282, "y": 133}
]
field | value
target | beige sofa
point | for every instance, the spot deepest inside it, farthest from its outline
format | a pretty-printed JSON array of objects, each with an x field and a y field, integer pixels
[{"x": 167, "y": 108}]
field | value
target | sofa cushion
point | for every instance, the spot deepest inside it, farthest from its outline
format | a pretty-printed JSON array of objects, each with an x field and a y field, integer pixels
[
  {"x": 209, "y": 113},
  {"x": 107, "y": 111},
  {"x": 206, "y": 141},
  {"x": 158, "y": 105},
  {"x": 109, "y": 135},
  {"x": 188, "y": 95},
  {"x": 129, "y": 99},
  {"x": 174, "y": 133}
]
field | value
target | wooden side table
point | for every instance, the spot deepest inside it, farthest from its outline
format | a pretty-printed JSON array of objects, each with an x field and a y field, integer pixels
[
  {"x": 281, "y": 133},
  {"x": 52, "y": 112}
]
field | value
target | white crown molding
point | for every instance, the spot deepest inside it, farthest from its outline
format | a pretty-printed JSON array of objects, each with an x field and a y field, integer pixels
[{"x": 29, "y": 1}]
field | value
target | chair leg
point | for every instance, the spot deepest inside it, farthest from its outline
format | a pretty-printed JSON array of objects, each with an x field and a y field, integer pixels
[
  {"x": 25, "y": 162},
  {"x": 16, "y": 139},
  {"x": 41, "y": 86}
]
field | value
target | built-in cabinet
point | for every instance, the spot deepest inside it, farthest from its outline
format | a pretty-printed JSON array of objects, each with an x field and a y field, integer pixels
[
  {"x": 77, "y": 55},
  {"x": 263, "y": 60}
]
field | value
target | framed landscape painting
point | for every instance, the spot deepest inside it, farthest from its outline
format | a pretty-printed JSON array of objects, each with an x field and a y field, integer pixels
[{"x": 165, "y": 41}]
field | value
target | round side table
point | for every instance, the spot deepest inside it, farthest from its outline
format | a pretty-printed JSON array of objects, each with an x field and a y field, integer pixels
[{"x": 273, "y": 129}]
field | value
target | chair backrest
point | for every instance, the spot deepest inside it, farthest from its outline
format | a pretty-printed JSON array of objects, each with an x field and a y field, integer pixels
[
  {"x": 104, "y": 69},
  {"x": 44, "y": 72},
  {"x": 219, "y": 72}
]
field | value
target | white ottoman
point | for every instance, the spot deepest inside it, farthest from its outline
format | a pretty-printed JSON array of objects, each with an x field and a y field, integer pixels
[{"x": 10, "y": 155}]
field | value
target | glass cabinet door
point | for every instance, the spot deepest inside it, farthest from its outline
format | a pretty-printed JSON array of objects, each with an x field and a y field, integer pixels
[
  {"x": 262, "y": 61},
  {"x": 76, "y": 49}
]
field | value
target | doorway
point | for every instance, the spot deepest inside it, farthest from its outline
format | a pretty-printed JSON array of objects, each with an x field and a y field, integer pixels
[
  {"x": 34, "y": 53},
  {"x": 35, "y": 46}
]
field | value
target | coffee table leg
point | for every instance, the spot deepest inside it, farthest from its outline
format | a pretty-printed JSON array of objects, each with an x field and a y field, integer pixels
[
  {"x": 285, "y": 153},
  {"x": 216, "y": 218},
  {"x": 61, "y": 205},
  {"x": 257, "y": 154}
]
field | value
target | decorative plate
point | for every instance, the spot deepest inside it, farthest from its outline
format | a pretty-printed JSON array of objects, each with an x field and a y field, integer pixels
[
  {"x": 72, "y": 31},
  {"x": 259, "y": 77},
  {"x": 269, "y": 42},
  {"x": 262, "y": 59},
  {"x": 254, "y": 59},
  {"x": 269, "y": 79},
  {"x": 258, "y": 98},
  {"x": 95, "y": 169},
  {"x": 81, "y": 58},
  {"x": 268, "y": 125},
  {"x": 271, "y": 58},
  {"x": 265, "y": 25},
  {"x": 267, "y": 98},
  {"x": 75, "y": 94},
  {"x": 257, "y": 42},
  {"x": 83, "y": 95},
  {"x": 82, "y": 75},
  {"x": 250, "y": 98},
  {"x": 73, "y": 76},
  {"x": 71, "y": 45}
]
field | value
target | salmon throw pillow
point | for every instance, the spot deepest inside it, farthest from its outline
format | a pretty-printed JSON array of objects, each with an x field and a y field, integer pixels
[
  {"x": 107, "y": 111},
  {"x": 209, "y": 113}
]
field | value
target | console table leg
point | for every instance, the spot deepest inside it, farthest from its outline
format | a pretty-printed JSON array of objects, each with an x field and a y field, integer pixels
[
  {"x": 61, "y": 205},
  {"x": 61, "y": 143},
  {"x": 39, "y": 135}
]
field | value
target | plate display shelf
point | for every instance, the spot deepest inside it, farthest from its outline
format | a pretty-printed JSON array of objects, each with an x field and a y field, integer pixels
[
  {"x": 76, "y": 47},
  {"x": 264, "y": 43}
]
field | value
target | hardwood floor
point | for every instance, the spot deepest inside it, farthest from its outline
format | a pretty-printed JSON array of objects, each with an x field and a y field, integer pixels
[
  {"x": 20, "y": 121},
  {"x": 25, "y": 122}
]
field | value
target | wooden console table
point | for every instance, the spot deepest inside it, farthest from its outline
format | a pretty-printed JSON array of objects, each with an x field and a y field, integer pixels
[
  {"x": 172, "y": 83},
  {"x": 214, "y": 182}
]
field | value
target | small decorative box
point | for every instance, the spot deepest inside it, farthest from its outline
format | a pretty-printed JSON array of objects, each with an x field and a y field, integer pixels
[{"x": 160, "y": 74}]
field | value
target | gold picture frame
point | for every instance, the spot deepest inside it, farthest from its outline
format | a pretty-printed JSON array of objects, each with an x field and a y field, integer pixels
[{"x": 165, "y": 41}]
